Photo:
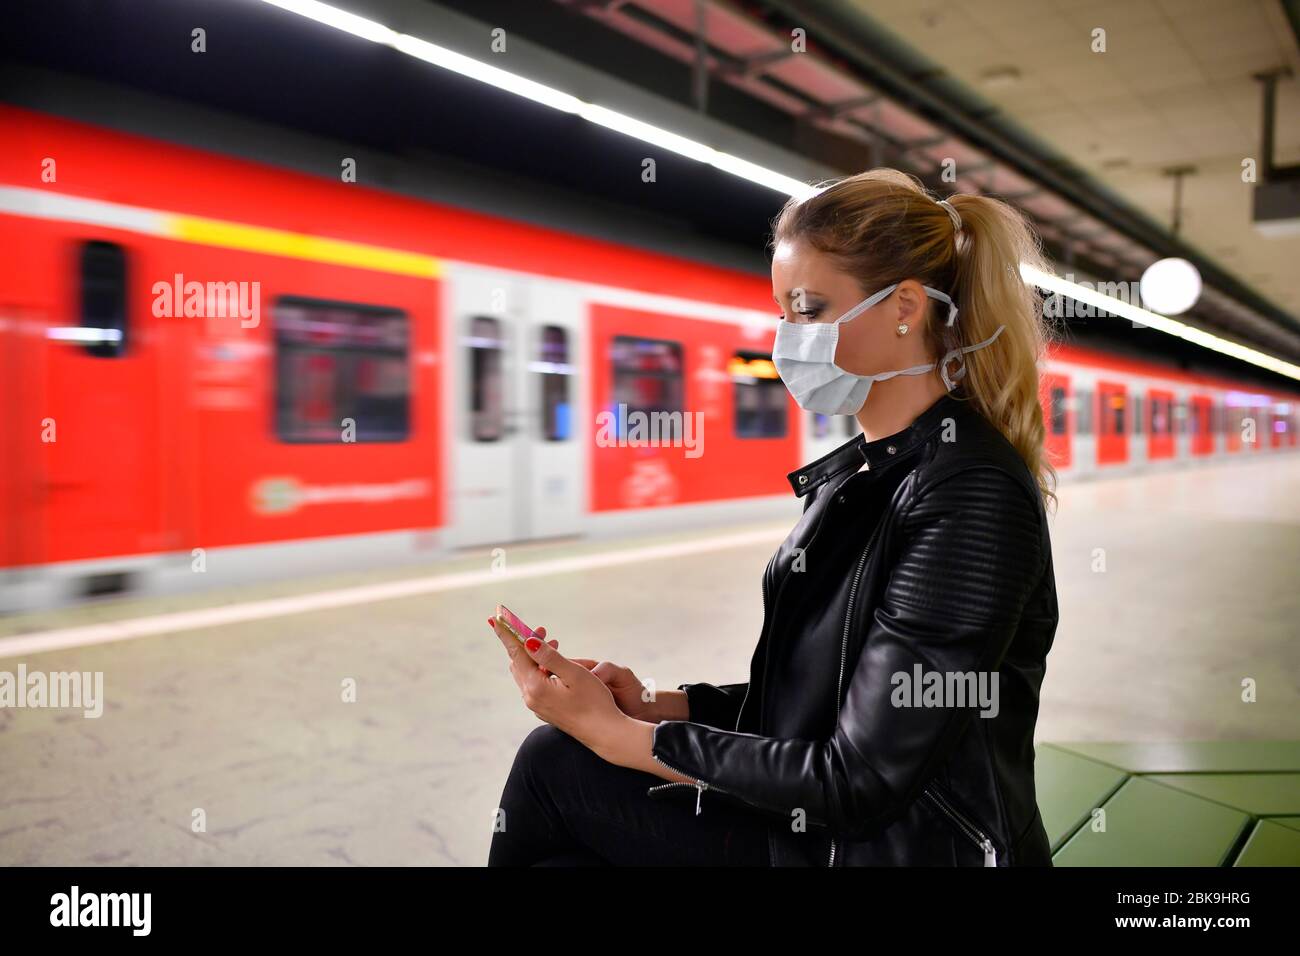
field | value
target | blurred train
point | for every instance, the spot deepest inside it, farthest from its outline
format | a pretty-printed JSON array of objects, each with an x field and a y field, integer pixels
[{"x": 212, "y": 365}]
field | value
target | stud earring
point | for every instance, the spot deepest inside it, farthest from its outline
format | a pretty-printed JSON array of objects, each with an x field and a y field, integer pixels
[{"x": 902, "y": 328}]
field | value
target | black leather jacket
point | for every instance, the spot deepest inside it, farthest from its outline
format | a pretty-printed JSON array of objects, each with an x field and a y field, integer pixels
[{"x": 925, "y": 553}]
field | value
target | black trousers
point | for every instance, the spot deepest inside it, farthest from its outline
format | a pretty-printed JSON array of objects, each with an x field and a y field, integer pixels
[{"x": 565, "y": 806}]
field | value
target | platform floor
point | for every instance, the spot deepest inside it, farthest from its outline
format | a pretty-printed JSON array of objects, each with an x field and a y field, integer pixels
[{"x": 245, "y": 721}]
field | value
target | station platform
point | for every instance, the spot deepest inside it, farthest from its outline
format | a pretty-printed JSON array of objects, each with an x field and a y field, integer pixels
[{"x": 230, "y": 703}]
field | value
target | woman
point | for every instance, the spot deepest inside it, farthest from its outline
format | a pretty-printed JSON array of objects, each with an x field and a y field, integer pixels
[{"x": 889, "y": 715}]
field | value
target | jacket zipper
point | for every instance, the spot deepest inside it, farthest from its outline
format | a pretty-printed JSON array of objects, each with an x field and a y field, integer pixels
[
  {"x": 968, "y": 829},
  {"x": 699, "y": 785},
  {"x": 844, "y": 642},
  {"x": 816, "y": 531}
]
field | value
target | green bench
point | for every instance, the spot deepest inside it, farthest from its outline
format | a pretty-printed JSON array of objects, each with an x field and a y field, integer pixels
[{"x": 1218, "y": 803}]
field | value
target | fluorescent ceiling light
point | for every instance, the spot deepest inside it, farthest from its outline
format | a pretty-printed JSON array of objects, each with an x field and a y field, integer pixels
[
  {"x": 1161, "y": 323},
  {"x": 684, "y": 146}
]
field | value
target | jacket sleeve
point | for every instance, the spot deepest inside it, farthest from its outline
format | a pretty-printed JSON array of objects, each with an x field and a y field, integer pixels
[
  {"x": 969, "y": 555},
  {"x": 716, "y": 706}
]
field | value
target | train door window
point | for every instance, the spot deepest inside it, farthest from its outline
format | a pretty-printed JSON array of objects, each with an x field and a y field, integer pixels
[
  {"x": 342, "y": 371},
  {"x": 555, "y": 373},
  {"x": 1058, "y": 410},
  {"x": 1083, "y": 412},
  {"x": 1139, "y": 411},
  {"x": 648, "y": 378},
  {"x": 101, "y": 270},
  {"x": 487, "y": 414},
  {"x": 1159, "y": 416},
  {"x": 1180, "y": 416},
  {"x": 759, "y": 395},
  {"x": 1199, "y": 420},
  {"x": 1112, "y": 415}
]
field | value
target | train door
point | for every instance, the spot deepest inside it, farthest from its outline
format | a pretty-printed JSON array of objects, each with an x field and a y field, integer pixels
[
  {"x": 1160, "y": 437},
  {"x": 1259, "y": 416},
  {"x": 1201, "y": 425},
  {"x": 1112, "y": 415},
  {"x": 1056, "y": 414},
  {"x": 513, "y": 399},
  {"x": 552, "y": 411},
  {"x": 102, "y": 403},
  {"x": 1079, "y": 404},
  {"x": 1137, "y": 448}
]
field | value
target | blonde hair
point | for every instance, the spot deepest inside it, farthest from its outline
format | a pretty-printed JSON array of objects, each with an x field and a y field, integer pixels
[{"x": 882, "y": 227}]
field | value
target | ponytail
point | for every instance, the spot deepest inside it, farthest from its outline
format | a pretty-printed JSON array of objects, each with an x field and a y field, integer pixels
[{"x": 1002, "y": 380}]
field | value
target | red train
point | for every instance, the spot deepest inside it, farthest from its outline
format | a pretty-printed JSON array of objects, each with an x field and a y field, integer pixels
[{"x": 216, "y": 365}]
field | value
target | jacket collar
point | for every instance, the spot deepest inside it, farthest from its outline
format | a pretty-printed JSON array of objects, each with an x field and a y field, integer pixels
[{"x": 876, "y": 454}]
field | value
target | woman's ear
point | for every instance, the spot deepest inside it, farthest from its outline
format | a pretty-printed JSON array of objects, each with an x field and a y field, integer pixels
[{"x": 911, "y": 301}]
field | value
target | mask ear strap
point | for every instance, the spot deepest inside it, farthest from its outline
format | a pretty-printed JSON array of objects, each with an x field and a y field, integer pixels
[
  {"x": 866, "y": 303},
  {"x": 956, "y": 354},
  {"x": 943, "y": 297}
]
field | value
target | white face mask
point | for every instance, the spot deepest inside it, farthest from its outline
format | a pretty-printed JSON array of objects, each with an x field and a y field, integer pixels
[{"x": 804, "y": 355}]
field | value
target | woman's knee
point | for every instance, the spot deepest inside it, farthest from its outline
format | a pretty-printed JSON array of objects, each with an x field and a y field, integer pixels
[{"x": 545, "y": 747}]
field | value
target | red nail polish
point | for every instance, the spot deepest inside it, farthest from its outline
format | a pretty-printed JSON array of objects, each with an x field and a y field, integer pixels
[{"x": 532, "y": 644}]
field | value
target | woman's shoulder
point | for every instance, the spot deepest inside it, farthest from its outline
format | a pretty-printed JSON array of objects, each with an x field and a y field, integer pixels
[{"x": 971, "y": 462}]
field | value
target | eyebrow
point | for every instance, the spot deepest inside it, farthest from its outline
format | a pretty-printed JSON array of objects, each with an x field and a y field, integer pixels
[{"x": 807, "y": 292}]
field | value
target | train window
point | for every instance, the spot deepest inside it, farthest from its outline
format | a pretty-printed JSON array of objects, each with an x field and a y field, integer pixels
[
  {"x": 1161, "y": 422},
  {"x": 1180, "y": 416},
  {"x": 338, "y": 362},
  {"x": 1059, "y": 414},
  {"x": 555, "y": 373},
  {"x": 1112, "y": 413},
  {"x": 102, "y": 275},
  {"x": 487, "y": 412},
  {"x": 759, "y": 396},
  {"x": 1082, "y": 412},
  {"x": 648, "y": 378},
  {"x": 1139, "y": 411}
]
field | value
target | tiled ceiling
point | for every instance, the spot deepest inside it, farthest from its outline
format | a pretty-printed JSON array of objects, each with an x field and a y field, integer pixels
[{"x": 1174, "y": 87}]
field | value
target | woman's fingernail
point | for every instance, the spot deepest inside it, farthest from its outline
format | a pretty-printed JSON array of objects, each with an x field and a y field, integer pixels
[{"x": 532, "y": 644}]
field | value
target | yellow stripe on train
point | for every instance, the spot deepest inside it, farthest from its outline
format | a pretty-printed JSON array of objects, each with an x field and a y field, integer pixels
[{"x": 298, "y": 245}]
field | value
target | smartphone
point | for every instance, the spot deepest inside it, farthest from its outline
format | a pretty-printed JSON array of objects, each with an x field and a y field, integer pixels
[{"x": 512, "y": 625}]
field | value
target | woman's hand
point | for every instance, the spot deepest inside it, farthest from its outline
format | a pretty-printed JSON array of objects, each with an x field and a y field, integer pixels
[
  {"x": 565, "y": 693},
  {"x": 628, "y": 691}
]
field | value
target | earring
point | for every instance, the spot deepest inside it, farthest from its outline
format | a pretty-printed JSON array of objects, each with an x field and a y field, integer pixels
[{"x": 902, "y": 328}]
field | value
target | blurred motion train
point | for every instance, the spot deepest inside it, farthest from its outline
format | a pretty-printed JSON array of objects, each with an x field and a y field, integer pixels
[{"x": 215, "y": 365}]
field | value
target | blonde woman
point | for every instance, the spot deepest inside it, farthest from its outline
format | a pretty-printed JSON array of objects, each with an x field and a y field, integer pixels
[{"x": 890, "y": 708}]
